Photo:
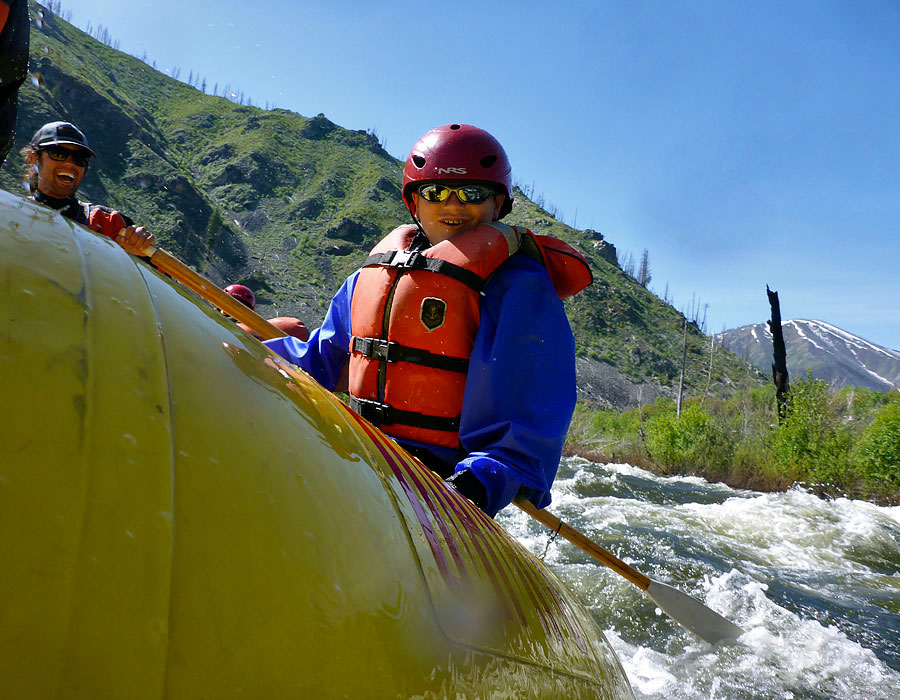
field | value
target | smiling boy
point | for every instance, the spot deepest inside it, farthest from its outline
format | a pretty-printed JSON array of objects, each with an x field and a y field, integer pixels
[{"x": 453, "y": 339}]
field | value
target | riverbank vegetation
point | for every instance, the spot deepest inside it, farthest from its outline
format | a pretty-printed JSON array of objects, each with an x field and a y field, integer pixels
[{"x": 845, "y": 443}]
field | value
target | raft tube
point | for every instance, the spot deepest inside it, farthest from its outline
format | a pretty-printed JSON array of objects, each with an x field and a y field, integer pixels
[{"x": 185, "y": 515}]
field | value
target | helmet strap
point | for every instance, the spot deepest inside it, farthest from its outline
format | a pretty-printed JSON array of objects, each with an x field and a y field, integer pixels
[{"x": 417, "y": 224}]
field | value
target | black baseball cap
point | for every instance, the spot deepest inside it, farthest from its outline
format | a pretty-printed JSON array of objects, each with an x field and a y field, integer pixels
[{"x": 56, "y": 133}]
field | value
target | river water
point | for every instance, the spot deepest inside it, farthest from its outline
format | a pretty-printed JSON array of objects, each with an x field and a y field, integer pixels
[{"x": 815, "y": 584}]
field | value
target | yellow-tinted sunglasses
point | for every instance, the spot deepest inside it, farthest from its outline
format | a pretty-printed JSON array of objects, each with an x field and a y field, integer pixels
[{"x": 468, "y": 194}]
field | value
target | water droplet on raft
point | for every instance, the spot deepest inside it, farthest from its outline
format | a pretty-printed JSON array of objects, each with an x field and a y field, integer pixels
[{"x": 37, "y": 80}]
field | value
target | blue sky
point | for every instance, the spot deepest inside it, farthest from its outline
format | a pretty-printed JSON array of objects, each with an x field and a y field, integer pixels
[{"x": 740, "y": 143}]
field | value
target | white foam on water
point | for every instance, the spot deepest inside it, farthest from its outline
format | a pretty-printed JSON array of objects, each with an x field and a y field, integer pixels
[
  {"x": 795, "y": 530},
  {"x": 779, "y": 656},
  {"x": 823, "y": 548},
  {"x": 891, "y": 512},
  {"x": 590, "y": 468}
]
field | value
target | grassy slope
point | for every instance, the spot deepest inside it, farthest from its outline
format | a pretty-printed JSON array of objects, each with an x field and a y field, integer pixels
[{"x": 289, "y": 205}]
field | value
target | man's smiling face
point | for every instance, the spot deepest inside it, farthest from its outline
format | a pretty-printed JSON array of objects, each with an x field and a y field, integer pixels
[{"x": 59, "y": 178}]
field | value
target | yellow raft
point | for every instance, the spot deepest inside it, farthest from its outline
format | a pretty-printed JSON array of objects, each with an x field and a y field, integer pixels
[{"x": 185, "y": 515}]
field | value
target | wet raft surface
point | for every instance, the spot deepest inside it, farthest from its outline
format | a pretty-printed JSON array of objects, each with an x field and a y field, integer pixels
[{"x": 184, "y": 515}]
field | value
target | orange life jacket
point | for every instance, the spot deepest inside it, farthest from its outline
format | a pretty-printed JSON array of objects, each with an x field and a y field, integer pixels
[{"x": 414, "y": 317}]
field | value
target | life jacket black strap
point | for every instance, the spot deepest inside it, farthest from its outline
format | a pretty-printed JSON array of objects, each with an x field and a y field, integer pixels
[
  {"x": 389, "y": 351},
  {"x": 382, "y": 414},
  {"x": 414, "y": 260}
]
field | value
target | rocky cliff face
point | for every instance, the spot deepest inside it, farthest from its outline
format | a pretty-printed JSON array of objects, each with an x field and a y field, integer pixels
[{"x": 602, "y": 247}]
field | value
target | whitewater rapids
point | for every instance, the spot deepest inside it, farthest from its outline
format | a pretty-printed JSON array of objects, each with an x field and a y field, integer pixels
[{"x": 815, "y": 584}]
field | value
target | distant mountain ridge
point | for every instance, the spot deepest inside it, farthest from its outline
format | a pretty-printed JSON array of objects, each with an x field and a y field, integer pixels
[{"x": 830, "y": 353}]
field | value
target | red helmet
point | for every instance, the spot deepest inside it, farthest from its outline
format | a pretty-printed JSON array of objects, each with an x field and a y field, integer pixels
[
  {"x": 242, "y": 294},
  {"x": 457, "y": 152}
]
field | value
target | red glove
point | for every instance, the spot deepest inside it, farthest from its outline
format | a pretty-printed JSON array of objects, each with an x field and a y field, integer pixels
[{"x": 107, "y": 223}]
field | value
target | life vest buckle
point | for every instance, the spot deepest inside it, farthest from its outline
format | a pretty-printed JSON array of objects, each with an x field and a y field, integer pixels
[
  {"x": 372, "y": 411},
  {"x": 381, "y": 349},
  {"x": 376, "y": 348},
  {"x": 404, "y": 258}
]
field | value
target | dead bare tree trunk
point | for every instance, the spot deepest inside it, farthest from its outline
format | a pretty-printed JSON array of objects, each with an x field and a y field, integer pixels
[
  {"x": 641, "y": 415},
  {"x": 683, "y": 361},
  {"x": 779, "y": 354},
  {"x": 712, "y": 353}
]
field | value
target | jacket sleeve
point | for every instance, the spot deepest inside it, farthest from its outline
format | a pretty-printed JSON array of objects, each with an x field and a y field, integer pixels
[
  {"x": 326, "y": 352},
  {"x": 520, "y": 391}
]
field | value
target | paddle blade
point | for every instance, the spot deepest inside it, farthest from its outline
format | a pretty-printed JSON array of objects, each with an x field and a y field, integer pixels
[{"x": 692, "y": 614}]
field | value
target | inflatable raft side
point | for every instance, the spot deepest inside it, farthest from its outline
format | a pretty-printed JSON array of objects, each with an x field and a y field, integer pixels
[
  {"x": 84, "y": 547},
  {"x": 184, "y": 515}
]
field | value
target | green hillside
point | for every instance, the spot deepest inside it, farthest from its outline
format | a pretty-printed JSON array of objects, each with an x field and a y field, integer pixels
[{"x": 289, "y": 205}]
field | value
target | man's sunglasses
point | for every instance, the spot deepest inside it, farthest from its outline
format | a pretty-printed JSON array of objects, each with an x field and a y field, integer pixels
[
  {"x": 468, "y": 194},
  {"x": 58, "y": 153}
]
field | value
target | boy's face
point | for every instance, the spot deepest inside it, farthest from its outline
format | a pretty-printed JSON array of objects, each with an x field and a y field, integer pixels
[{"x": 442, "y": 220}]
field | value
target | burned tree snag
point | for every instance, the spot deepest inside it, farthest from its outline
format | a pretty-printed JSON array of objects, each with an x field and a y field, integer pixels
[
  {"x": 683, "y": 363},
  {"x": 779, "y": 354}
]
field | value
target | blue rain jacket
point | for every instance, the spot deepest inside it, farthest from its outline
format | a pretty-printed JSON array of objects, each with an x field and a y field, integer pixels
[{"x": 520, "y": 390}]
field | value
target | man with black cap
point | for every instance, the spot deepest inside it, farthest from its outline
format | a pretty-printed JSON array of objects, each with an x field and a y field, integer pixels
[{"x": 56, "y": 160}]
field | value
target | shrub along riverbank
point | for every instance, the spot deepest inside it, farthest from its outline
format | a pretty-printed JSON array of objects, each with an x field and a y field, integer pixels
[{"x": 837, "y": 444}]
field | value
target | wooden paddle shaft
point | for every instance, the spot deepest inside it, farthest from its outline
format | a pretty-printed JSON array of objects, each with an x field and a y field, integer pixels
[
  {"x": 197, "y": 283},
  {"x": 585, "y": 544}
]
